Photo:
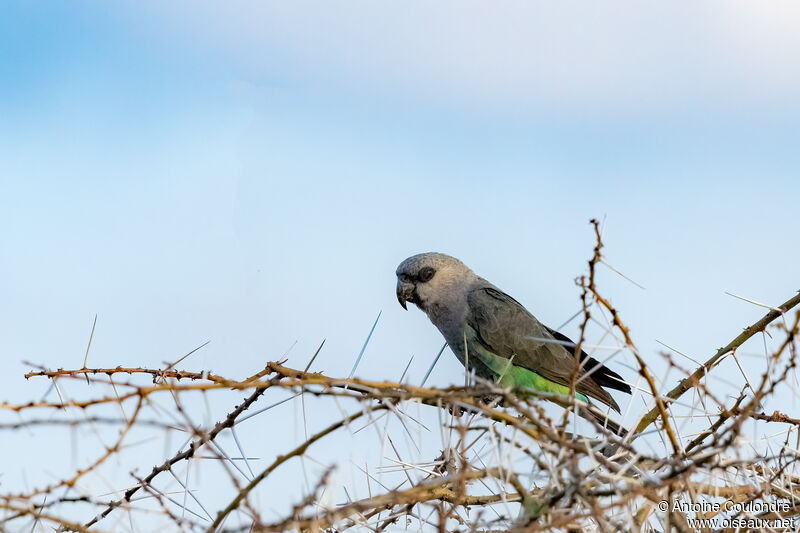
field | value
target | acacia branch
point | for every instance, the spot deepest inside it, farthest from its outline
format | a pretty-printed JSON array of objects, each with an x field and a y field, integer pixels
[
  {"x": 660, "y": 408},
  {"x": 167, "y": 465},
  {"x": 434, "y": 489},
  {"x": 693, "y": 379},
  {"x": 300, "y": 450}
]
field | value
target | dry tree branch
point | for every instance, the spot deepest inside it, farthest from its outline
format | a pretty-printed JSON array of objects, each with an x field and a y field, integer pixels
[
  {"x": 196, "y": 444},
  {"x": 503, "y": 464},
  {"x": 643, "y": 370},
  {"x": 438, "y": 489},
  {"x": 694, "y": 378},
  {"x": 300, "y": 450}
]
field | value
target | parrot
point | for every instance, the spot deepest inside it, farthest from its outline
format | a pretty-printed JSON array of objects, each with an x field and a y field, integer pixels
[{"x": 498, "y": 339}]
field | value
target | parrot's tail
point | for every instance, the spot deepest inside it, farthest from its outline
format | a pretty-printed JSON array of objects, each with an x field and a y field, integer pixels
[{"x": 593, "y": 414}]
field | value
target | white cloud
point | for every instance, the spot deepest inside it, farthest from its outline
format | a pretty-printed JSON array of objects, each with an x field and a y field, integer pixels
[{"x": 622, "y": 55}]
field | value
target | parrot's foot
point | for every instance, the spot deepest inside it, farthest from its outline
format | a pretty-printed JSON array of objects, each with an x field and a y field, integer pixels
[
  {"x": 490, "y": 400},
  {"x": 455, "y": 410},
  {"x": 449, "y": 461}
]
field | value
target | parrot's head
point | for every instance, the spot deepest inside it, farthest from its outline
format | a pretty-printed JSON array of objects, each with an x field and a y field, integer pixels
[{"x": 423, "y": 279}]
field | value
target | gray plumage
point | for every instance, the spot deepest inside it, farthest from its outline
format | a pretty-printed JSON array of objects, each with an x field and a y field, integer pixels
[{"x": 497, "y": 335}]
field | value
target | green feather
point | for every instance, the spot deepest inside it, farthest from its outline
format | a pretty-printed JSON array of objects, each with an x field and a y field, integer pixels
[{"x": 510, "y": 375}]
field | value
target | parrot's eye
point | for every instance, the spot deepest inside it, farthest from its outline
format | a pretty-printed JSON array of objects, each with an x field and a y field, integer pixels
[{"x": 426, "y": 274}]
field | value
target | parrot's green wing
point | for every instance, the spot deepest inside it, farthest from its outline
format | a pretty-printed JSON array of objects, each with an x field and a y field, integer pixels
[{"x": 505, "y": 328}]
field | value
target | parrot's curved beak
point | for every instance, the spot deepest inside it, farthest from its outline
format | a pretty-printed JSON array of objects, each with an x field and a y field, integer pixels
[{"x": 405, "y": 293}]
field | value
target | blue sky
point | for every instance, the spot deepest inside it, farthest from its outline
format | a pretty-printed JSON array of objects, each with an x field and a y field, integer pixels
[{"x": 253, "y": 176}]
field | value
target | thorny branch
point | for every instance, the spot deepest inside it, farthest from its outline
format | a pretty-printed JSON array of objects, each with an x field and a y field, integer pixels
[{"x": 501, "y": 462}]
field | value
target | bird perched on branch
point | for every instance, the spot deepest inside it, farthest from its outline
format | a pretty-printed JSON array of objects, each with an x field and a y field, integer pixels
[{"x": 496, "y": 337}]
